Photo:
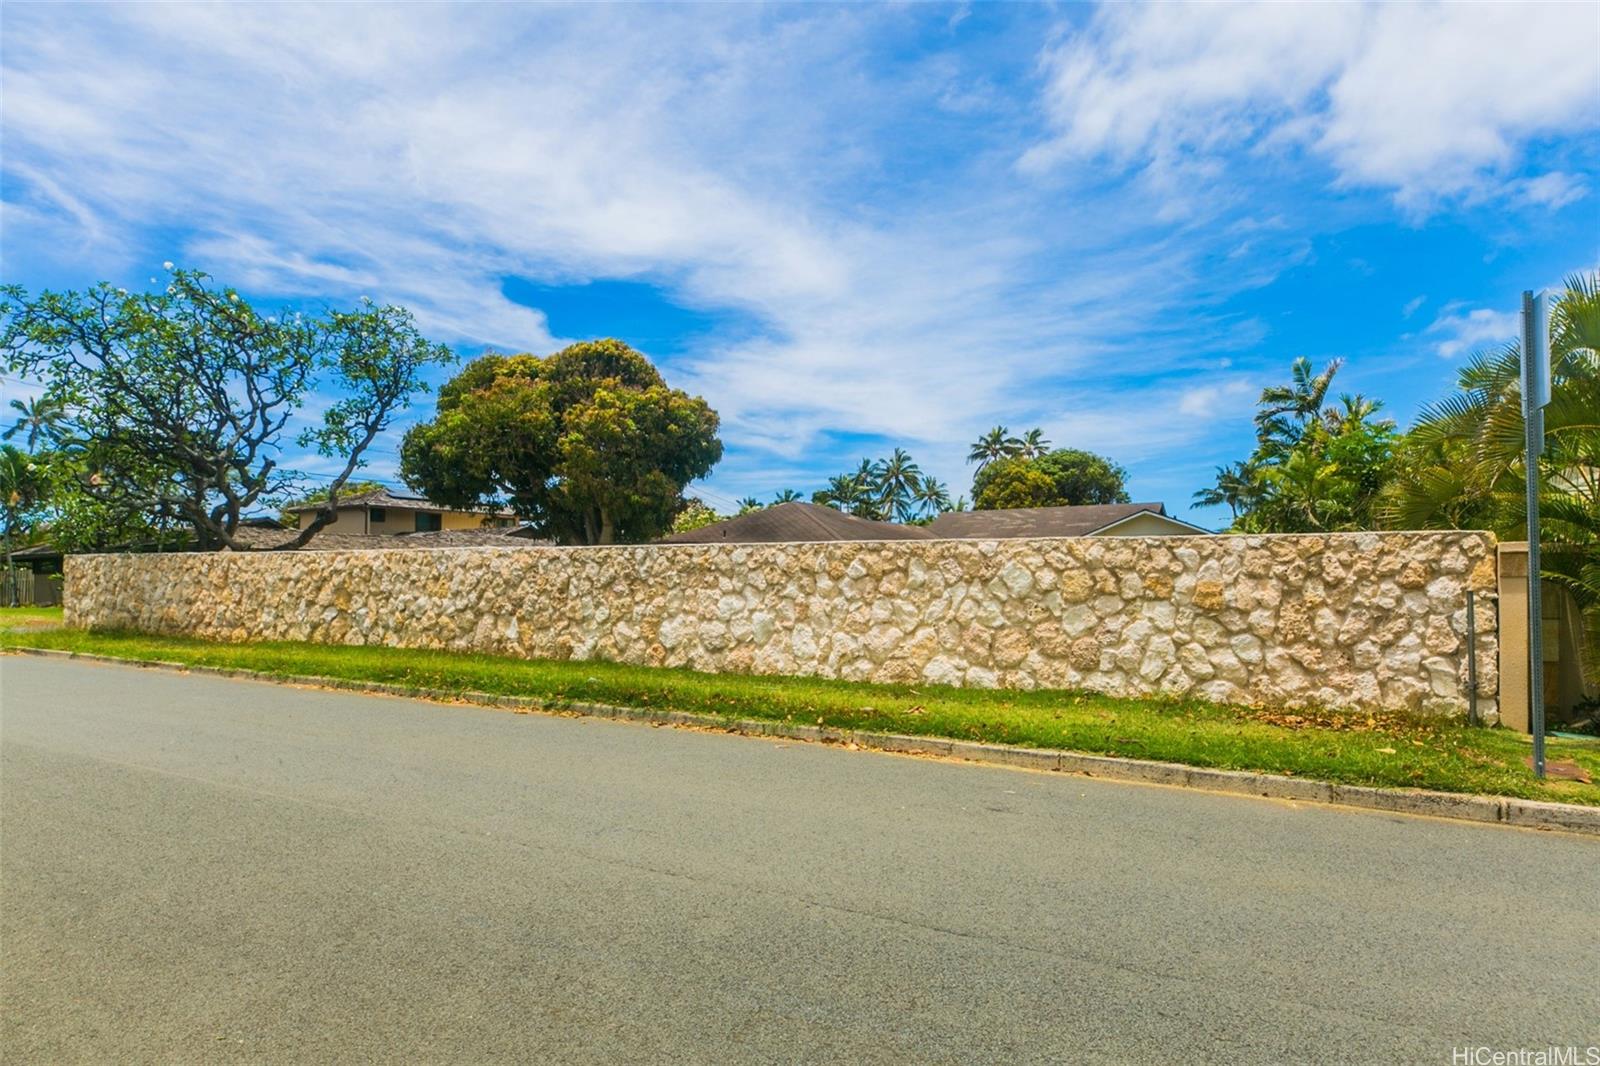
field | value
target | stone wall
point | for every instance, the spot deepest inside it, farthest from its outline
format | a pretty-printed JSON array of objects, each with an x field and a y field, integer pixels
[{"x": 1348, "y": 620}]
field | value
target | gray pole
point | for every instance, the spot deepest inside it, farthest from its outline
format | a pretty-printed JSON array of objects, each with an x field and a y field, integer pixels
[
  {"x": 1472, "y": 658},
  {"x": 1533, "y": 418}
]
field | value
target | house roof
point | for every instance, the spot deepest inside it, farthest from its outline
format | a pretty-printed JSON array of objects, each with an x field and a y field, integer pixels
[
  {"x": 1045, "y": 521},
  {"x": 36, "y": 551},
  {"x": 795, "y": 522},
  {"x": 440, "y": 538},
  {"x": 400, "y": 501}
]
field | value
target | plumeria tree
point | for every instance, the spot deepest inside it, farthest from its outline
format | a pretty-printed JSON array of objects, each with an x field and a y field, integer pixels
[{"x": 181, "y": 404}]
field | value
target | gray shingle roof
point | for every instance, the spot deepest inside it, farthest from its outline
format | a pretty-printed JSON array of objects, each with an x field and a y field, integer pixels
[
  {"x": 1038, "y": 521},
  {"x": 795, "y": 523}
]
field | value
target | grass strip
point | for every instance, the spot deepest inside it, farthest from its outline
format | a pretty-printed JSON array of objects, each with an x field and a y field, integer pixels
[{"x": 1358, "y": 749}]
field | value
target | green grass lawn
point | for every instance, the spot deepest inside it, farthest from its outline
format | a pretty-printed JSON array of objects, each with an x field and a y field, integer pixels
[
  {"x": 29, "y": 617},
  {"x": 1350, "y": 748}
]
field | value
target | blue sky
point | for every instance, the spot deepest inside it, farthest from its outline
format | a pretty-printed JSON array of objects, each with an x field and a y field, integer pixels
[{"x": 849, "y": 227}]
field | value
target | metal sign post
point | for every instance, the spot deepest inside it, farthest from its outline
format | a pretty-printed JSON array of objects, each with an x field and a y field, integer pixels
[{"x": 1535, "y": 395}]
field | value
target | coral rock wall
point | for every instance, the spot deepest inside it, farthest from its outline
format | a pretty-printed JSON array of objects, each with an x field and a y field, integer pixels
[{"x": 1360, "y": 620}]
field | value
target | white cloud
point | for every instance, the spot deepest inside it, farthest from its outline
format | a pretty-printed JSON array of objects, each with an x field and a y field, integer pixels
[
  {"x": 1462, "y": 330},
  {"x": 1215, "y": 398},
  {"x": 1428, "y": 100},
  {"x": 908, "y": 284},
  {"x": 1412, "y": 306},
  {"x": 1554, "y": 190}
]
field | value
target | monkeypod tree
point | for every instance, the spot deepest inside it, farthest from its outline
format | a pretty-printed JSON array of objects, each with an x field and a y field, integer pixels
[
  {"x": 180, "y": 404},
  {"x": 589, "y": 444}
]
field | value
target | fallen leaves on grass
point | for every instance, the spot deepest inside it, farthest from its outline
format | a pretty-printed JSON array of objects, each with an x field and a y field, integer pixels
[{"x": 1398, "y": 724}]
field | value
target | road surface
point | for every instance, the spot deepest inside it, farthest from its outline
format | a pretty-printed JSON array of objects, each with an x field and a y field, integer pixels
[{"x": 197, "y": 869}]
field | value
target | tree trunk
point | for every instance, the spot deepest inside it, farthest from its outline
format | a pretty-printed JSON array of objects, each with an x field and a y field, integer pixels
[{"x": 608, "y": 528}]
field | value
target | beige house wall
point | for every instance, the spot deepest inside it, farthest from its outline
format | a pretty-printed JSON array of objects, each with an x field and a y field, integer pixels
[
  {"x": 1364, "y": 621},
  {"x": 396, "y": 520},
  {"x": 349, "y": 520},
  {"x": 464, "y": 520},
  {"x": 1147, "y": 524}
]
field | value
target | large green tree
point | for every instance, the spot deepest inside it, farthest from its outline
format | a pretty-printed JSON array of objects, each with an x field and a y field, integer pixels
[
  {"x": 588, "y": 444},
  {"x": 180, "y": 404},
  {"x": 1064, "y": 477}
]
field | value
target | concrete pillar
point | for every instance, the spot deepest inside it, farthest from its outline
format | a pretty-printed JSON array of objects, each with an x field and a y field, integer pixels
[{"x": 1513, "y": 579}]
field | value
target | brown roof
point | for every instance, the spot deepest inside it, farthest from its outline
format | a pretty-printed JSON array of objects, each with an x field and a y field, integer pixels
[
  {"x": 795, "y": 522},
  {"x": 1041, "y": 521},
  {"x": 400, "y": 501}
]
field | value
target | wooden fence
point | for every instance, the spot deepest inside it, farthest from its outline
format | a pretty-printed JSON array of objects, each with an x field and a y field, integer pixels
[{"x": 32, "y": 590}]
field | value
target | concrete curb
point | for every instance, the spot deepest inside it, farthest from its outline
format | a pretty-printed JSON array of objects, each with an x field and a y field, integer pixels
[{"x": 1507, "y": 810}]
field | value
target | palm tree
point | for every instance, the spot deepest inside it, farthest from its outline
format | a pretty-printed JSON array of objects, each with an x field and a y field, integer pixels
[
  {"x": 931, "y": 497},
  {"x": 995, "y": 444},
  {"x": 897, "y": 478},
  {"x": 846, "y": 492},
  {"x": 748, "y": 504},
  {"x": 1353, "y": 411},
  {"x": 787, "y": 496},
  {"x": 41, "y": 417},
  {"x": 22, "y": 486},
  {"x": 1237, "y": 486},
  {"x": 870, "y": 501},
  {"x": 1033, "y": 444},
  {"x": 1287, "y": 409}
]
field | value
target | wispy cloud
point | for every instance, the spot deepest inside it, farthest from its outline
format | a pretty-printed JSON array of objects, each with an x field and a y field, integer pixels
[
  {"x": 845, "y": 178},
  {"x": 1432, "y": 101},
  {"x": 1461, "y": 329}
]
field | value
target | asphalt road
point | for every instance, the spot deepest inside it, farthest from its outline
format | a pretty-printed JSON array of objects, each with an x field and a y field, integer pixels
[{"x": 195, "y": 869}]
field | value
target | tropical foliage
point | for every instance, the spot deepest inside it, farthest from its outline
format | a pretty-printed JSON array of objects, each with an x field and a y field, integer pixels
[
  {"x": 998, "y": 444},
  {"x": 695, "y": 514},
  {"x": 894, "y": 488},
  {"x": 1463, "y": 463},
  {"x": 23, "y": 490},
  {"x": 1317, "y": 466},
  {"x": 589, "y": 444},
  {"x": 39, "y": 421},
  {"x": 1062, "y": 478}
]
